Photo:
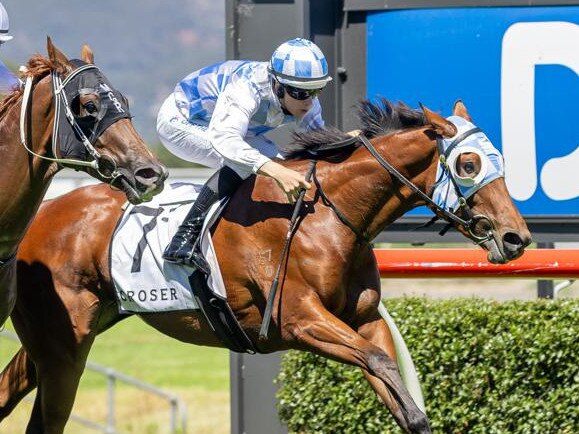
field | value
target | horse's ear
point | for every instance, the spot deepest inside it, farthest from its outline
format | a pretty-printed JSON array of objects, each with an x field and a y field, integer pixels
[
  {"x": 460, "y": 110},
  {"x": 441, "y": 126},
  {"x": 56, "y": 56},
  {"x": 86, "y": 54}
]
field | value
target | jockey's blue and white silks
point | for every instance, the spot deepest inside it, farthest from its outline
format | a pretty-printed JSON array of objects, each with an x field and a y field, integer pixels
[
  {"x": 8, "y": 81},
  {"x": 235, "y": 101},
  {"x": 492, "y": 167}
]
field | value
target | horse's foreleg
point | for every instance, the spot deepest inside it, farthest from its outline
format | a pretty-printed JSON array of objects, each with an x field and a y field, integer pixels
[
  {"x": 58, "y": 344},
  {"x": 58, "y": 379},
  {"x": 377, "y": 332},
  {"x": 317, "y": 330},
  {"x": 16, "y": 380}
]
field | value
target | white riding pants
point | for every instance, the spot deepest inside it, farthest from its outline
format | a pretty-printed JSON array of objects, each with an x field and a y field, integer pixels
[{"x": 188, "y": 140}]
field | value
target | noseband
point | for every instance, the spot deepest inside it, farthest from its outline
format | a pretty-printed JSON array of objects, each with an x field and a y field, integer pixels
[{"x": 104, "y": 165}]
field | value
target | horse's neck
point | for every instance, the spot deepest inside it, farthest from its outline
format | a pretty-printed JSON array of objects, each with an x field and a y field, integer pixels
[
  {"x": 367, "y": 194},
  {"x": 24, "y": 178}
]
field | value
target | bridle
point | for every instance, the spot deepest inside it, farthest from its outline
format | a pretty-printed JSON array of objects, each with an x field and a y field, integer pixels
[
  {"x": 104, "y": 165},
  {"x": 470, "y": 221}
]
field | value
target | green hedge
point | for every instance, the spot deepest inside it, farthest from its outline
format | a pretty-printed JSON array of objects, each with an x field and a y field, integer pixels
[{"x": 485, "y": 367}]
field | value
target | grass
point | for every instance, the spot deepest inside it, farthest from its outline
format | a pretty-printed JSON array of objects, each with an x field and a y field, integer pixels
[{"x": 199, "y": 376}]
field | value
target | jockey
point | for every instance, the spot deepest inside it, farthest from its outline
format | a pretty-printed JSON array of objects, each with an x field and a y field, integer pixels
[
  {"x": 217, "y": 117},
  {"x": 7, "y": 79},
  {"x": 4, "y": 25}
]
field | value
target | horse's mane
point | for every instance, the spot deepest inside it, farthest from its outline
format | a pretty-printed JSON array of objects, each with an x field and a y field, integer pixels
[
  {"x": 376, "y": 118},
  {"x": 385, "y": 117},
  {"x": 38, "y": 67},
  {"x": 303, "y": 141}
]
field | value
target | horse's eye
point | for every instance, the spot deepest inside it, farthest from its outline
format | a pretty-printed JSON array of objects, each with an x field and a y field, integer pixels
[
  {"x": 469, "y": 167},
  {"x": 91, "y": 107}
]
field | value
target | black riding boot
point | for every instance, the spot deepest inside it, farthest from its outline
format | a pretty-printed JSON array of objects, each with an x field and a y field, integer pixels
[{"x": 183, "y": 247}]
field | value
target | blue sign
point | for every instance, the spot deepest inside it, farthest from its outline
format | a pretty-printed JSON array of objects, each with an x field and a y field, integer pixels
[{"x": 517, "y": 71}]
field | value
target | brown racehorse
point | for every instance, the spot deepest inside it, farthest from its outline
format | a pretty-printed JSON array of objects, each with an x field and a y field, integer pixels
[
  {"x": 29, "y": 158},
  {"x": 330, "y": 291}
]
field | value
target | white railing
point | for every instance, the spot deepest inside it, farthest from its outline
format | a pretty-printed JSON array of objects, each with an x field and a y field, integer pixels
[
  {"x": 178, "y": 417},
  {"x": 67, "y": 180}
]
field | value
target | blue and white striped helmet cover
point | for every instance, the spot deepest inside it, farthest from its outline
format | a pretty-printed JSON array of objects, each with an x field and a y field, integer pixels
[
  {"x": 492, "y": 166},
  {"x": 300, "y": 59}
]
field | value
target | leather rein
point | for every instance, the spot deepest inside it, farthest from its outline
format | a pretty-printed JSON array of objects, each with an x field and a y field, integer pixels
[{"x": 360, "y": 236}]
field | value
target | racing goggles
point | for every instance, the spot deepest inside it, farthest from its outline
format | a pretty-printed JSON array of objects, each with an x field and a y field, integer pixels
[{"x": 301, "y": 94}]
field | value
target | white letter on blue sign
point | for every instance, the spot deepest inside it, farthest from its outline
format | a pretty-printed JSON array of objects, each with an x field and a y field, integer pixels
[{"x": 524, "y": 46}]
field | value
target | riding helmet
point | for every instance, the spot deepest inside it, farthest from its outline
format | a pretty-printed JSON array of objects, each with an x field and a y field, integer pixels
[
  {"x": 4, "y": 25},
  {"x": 300, "y": 63}
]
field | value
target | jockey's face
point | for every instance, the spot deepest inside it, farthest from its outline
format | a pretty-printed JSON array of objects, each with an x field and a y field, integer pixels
[
  {"x": 296, "y": 107},
  {"x": 296, "y": 101}
]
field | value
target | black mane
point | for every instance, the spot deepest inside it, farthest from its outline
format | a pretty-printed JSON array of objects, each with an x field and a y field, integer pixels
[
  {"x": 312, "y": 140},
  {"x": 376, "y": 119},
  {"x": 385, "y": 117}
]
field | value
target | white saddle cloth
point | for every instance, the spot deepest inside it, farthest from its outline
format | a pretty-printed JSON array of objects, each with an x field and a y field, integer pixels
[{"x": 144, "y": 281}]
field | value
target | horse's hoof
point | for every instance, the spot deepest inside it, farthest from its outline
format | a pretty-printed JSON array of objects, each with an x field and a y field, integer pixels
[{"x": 420, "y": 425}]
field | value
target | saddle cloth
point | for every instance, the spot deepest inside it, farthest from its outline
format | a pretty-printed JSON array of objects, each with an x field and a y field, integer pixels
[{"x": 144, "y": 281}]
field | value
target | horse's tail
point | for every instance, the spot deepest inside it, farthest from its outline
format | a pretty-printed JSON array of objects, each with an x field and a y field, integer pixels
[{"x": 405, "y": 363}]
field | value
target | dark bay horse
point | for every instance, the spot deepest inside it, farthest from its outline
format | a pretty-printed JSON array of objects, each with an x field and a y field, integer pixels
[
  {"x": 92, "y": 135},
  {"x": 330, "y": 292}
]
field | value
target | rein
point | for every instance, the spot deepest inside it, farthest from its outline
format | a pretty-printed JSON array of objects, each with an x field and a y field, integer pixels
[
  {"x": 292, "y": 227},
  {"x": 99, "y": 162},
  {"x": 472, "y": 219},
  {"x": 394, "y": 172},
  {"x": 341, "y": 216}
]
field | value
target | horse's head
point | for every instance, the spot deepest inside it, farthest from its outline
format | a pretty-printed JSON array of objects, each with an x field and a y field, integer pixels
[
  {"x": 93, "y": 128},
  {"x": 470, "y": 184}
]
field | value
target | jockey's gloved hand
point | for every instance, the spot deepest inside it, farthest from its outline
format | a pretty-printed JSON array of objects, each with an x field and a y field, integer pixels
[{"x": 290, "y": 181}]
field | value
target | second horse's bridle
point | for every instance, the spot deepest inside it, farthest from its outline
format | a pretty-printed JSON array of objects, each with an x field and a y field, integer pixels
[{"x": 103, "y": 164}]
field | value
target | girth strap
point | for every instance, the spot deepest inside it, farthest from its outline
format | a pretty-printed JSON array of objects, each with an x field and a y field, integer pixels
[{"x": 220, "y": 316}]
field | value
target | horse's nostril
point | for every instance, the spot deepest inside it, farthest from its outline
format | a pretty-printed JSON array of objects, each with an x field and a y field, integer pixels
[
  {"x": 150, "y": 175},
  {"x": 147, "y": 173},
  {"x": 512, "y": 238},
  {"x": 513, "y": 244}
]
